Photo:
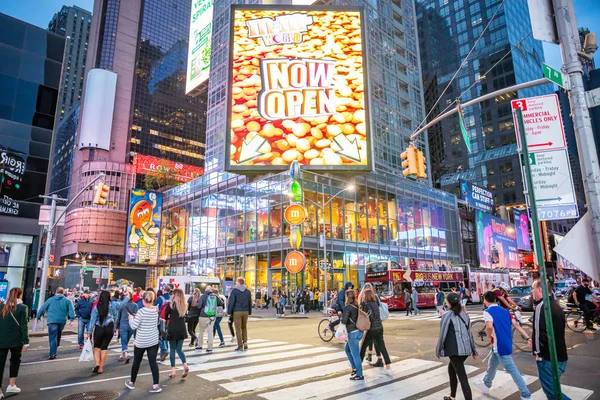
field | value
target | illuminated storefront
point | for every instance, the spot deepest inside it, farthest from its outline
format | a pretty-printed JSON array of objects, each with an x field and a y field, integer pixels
[{"x": 225, "y": 226}]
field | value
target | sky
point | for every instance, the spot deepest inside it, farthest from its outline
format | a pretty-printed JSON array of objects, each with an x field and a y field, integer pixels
[{"x": 587, "y": 14}]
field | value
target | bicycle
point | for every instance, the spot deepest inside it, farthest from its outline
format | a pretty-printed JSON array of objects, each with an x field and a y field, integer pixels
[
  {"x": 325, "y": 332},
  {"x": 519, "y": 341},
  {"x": 575, "y": 318}
]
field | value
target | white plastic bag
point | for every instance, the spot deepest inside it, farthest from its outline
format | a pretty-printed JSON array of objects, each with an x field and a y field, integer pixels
[
  {"x": 341, "y": 333},
  {"x": 87, "y": 354}
]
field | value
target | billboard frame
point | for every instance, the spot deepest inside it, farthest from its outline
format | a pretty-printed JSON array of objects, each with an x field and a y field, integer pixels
[{"x": 261, "y": 169}]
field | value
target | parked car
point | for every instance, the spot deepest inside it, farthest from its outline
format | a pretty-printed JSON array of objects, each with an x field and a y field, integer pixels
[{"x": 521, "y": 295}]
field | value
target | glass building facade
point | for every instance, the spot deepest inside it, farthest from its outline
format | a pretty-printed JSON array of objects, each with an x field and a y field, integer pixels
[
  {"x": 227, "y": 226},
  {"x": 166, "y": 123},
  {"x": 447, "y": 32}
]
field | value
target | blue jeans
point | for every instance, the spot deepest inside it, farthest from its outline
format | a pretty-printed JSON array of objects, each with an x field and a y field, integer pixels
[
  {"x": 510, "y": 367},
  {"x": 164, "y": 346},
  {"x": 176, "y": 346},
  {"x": 126, "y": 333},
  {"x": 353, "y": 351},
  {"x": 545, "y": 374},
  {"x": 320, "y": 306},
  {"x": 54, "y": 334},
  {"x": 82, "y": 325},
  {"x": 415, "y": 309},
  {"x": 217, "y": 328}
]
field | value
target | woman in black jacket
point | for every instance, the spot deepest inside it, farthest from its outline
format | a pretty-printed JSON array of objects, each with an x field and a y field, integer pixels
[
  {"x": 349, "y": 318},
  {"x": 14, "y": 337},
  {"x": 176, "y": 332},
  {"x": 193, "y": 315},
  {"x": 370, "y": 303}
]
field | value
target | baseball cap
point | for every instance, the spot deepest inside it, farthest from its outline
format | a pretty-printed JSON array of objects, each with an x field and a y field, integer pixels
[{"x": 453, "y": 298}]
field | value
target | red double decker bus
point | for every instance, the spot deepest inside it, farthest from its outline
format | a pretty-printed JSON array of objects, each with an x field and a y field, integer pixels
[{"x": 390, "y": 279}]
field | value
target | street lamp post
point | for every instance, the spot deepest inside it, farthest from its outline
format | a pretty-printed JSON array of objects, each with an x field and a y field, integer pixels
[{"x": 322, "y": 208}]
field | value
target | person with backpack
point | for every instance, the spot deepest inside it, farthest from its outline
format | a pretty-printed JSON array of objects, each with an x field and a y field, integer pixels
[
  {"x": 220, "y": 314},
  {"x": 350, "y": 318},
  {"x": 369, "y": 302},
  {"x": 128, "y": 307},
  {"x": 164, "y": 298},
  {"x": 59, "y": 308},
  {"x": 456, "y": 342},
  {"x": 240, "y": 306},
  {"x": 193, "y": 316},
  {"x": 208, "y": 305},
  {"x": 176, "y": 330}
]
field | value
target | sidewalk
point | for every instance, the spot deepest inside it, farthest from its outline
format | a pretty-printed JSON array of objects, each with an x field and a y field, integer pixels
[{"x": 272, "y": 313}]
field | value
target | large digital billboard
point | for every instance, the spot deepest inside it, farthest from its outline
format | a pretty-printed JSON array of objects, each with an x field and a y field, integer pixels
[
  {"x": 298, "y": 89},
  {"x": 149, "y": 165},
  {"x": 496, "y": 242},
  {"x": 477, "y": 197},
  {"x": 522, "y": 228},
  {"x": 143, "y": 227},
  {"x": 199, "y": 50}
]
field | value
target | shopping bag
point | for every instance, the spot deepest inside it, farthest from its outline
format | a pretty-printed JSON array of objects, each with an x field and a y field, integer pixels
[
  {"x": 87, "y": 354},
  {"x": 341, "y": 333}
]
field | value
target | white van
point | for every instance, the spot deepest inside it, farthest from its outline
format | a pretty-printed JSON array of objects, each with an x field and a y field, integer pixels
[
  {"x": 188, "y": 283},
  {"x": 561, "y": 287}
]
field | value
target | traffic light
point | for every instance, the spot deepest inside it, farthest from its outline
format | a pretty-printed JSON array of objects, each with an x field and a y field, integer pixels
[
  {"x": 421, "y": 165},
  {"x": 409, "y": 162},
  {"x": 110, "y": 276},
  {"x": 101, "y": 194}
]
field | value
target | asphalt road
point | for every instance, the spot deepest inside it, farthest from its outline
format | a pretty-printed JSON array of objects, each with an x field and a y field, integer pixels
[{"x": 287, "y": 360}]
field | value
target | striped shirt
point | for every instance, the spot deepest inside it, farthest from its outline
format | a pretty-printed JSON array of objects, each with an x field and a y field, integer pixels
[{"x": 145, "y": 323}]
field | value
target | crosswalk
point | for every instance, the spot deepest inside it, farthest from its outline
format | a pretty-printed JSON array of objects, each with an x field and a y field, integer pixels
[
  {"x": 275, "y": 370},
  {"x": 428, "y": 316}
]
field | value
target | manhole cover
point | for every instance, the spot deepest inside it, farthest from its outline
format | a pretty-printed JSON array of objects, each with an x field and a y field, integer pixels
[{"x": 93, "y": 395}]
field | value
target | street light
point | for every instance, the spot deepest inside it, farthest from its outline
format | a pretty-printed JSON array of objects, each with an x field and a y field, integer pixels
[{"x": 322, "y": 206}]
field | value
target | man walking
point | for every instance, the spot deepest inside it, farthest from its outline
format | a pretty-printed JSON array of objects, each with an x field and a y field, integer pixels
[
  {"x": 588, "y": 308},
  {"x": 407, "y": 302},
  {"x": 240, "y": 305},
  {"x": 498, "y": 327},
  {"x": 439, "y": 301},
  {"x": 208, "y": 304},
  {"x": 59, "y": 308},
  {"x": 161, "y": 301},
  {"x": 540, "y": 347},
  {"x": 415, "y": 300},
  {"x": 83, "y": 311}
]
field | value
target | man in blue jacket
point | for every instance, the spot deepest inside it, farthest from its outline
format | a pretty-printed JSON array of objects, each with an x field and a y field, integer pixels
[
  {"x": 83, "y": 311},
  {"x": 240, "y": 306},
  {"x": 59, "y": 308},
  {"x": 340, "y": 303}
]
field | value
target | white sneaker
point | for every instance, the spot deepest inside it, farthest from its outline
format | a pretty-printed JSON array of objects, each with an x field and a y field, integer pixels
[
  {"x": 387, "y": 371},
  {"x": 12, "y": 389},
  {"x": 480, "y": 384},
  {"x": 233, "y": 340}
]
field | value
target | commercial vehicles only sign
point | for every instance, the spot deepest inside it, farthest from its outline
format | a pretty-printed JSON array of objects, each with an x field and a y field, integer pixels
[{"x": 543, "y": 123}]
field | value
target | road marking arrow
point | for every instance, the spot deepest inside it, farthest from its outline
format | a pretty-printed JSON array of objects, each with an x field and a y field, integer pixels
[
  {"x": 347, "y": 148},
  {"x": 540, "y": 144},
  {"x": 251, "y": 149}
]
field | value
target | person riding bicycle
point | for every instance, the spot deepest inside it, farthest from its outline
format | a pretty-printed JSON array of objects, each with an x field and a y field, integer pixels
[
  {"x": 589, "y": 309},
  {"x": 340, "y": 303},
  {"x": 504, "y": 300}
]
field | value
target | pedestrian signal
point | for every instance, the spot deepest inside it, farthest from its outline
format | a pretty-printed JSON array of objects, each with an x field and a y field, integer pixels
[
  {"x": 421, "y": 165},
  {"x": 101, "y": 194},
  {"x": 409, "y": 162}
]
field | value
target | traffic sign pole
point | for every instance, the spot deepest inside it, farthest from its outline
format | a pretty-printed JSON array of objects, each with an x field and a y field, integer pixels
[{"x": 537, "y": 240}]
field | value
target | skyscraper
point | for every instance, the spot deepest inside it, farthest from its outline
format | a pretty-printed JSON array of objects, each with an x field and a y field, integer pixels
[
  {"x": 506, "y": 54},
  {"x": 74, "y": 24},
  {"x": 154, "y": 125}
]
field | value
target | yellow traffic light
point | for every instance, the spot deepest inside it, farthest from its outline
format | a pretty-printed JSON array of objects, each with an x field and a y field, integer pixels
[
  {"x": 409, "y": 162},
  {"x": 421, "y": 165},
  {"x": 101, "y": 194}
]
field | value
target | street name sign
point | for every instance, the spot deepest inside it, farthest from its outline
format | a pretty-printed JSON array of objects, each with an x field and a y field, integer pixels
[
  {"x": 555, "y": 76},
  {"x": 593, "y": 97},
  {"x": 543, "y": 123}
]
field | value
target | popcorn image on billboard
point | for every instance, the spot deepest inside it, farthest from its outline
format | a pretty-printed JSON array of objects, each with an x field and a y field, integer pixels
[{"x": 298, "y": 90}]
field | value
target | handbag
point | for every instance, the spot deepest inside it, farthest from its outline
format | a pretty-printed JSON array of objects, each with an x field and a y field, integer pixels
[{"x": 384, "y": 311}]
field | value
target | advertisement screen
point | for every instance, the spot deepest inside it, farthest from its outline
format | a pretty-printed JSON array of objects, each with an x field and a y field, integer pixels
[
  {"x": 198, "y": 68},
  {"x": 496, "y": 242},
  {"x": 522, "y": 227},
  {"x": 298, "y": 90},
  {"x": 477, "y": 197},
  {"x": 143, "y": 227},
  {"x": 149, "y": 165}
]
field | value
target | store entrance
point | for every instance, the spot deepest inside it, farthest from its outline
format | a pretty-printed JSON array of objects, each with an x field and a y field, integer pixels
[{"x": 275, "y": 283}]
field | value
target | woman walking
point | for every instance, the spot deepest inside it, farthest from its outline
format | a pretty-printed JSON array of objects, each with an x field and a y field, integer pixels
[
  {"x": 219, "y": 318},
  {"x": 14, "y": 337},
  {"x": 349, "y": 318},
  {"x": 128, "y": 307},
  {"x": 176, "y": 333},
  {"x": 457, "y": 343},
  {"x": 370, "y": 303},
  {"x": 145, "y": 323},
  {"x": 102, "y": 323},
  {"x": 193, "y": 315}
]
